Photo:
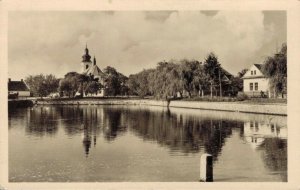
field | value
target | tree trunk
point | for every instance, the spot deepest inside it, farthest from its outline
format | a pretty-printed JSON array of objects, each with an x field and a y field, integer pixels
[
  {"x": 220, "y": 84},
  {"x": 210, "y": 89},
  {"x": 200, "y": 90}
]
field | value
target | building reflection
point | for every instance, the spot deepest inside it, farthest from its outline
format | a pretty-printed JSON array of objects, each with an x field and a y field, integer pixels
[
  {"x": 270, "y": 140},
  {"x": 255, "y": 132}
]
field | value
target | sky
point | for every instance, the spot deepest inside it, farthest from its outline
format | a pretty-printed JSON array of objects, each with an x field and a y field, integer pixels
[{"x": 53, "y": 42}]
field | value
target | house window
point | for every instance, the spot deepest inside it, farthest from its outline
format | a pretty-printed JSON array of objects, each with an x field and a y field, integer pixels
[
  {"x": 251, "y": 72},
  {"x": 256, "y": 86},
  {"x": 251, "y": 86},
  {"x": 254, "y": 72}
]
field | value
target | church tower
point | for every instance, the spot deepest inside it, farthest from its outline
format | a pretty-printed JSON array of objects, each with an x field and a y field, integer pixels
[{"x": 86, "y": 60}]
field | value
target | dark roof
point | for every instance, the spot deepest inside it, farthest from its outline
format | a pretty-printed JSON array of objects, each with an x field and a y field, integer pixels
[
  {"x": 17, "y": 86},
  {"x": 227, "y": 74},
  {"x": 260, "y": 67}
]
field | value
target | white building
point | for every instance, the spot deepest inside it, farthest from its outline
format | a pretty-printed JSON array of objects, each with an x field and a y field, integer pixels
[{"x": 255, "y": 83}]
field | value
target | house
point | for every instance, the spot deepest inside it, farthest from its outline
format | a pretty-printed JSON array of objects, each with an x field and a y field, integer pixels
[
  {"x": 255, "y": 83},
  {"x": 90, "y": 68},
  {"x": 17, "y": 89}
]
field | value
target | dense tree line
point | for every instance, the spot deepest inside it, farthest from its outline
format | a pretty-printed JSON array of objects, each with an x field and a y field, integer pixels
[
  {"x": 190, "y": 78},
  {"x": 186, "y": 77},
  {"x": 112, "y": 81},
  {"x": 74, "y": 82},
  {"x": 42, "y": 85}
]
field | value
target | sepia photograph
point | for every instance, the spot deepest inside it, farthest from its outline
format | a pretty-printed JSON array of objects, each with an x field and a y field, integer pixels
[
  {"x": 147, "y": 96},
  {"x": 126, "y": 94}
]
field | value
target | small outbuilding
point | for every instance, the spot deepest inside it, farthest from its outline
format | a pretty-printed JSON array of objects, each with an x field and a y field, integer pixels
[{"x": 18, "y": 89}]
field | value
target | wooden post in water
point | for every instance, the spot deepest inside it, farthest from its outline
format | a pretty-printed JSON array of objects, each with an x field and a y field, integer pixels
[{"x": 206, "y": 168}]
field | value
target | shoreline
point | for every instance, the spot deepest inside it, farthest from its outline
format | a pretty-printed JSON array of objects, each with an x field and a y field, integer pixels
[{"x": 271, "y": 109}]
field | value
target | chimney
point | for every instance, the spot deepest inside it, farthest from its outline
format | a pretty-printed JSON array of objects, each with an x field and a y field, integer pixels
[
  {"x": 9, "y": 79},
  {"x": 21, "y": 80}
]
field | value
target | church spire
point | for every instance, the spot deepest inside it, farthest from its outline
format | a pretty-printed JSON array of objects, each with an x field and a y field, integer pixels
[
  {"x": 86, "y": 57},
  {"x": 94, "y": 60}
]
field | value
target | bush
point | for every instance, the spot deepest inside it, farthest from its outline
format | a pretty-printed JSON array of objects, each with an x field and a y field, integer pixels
[{"x": 241, "y": 96}]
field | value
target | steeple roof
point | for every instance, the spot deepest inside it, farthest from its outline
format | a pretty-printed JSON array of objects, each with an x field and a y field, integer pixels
[{"x": 86, "y": 57}]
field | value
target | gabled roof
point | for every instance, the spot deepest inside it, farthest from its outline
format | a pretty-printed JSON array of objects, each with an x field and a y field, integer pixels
[
  {"x": 260, "y": 69},
  {"x": 260, "y": 66},
  {"x": 17, "y": 86},
  {"x": 95, "y": 71}
]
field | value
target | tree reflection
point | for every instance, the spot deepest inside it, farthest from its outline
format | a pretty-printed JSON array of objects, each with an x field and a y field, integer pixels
[
  {"x": 179, "y": 132},
  {"x": 113, "y": 123},
  {"x": 187, "y": 134},
  {"x": 42, "y": 120},
  {"x": 72, "y": 117},
  {"x": 274, "y": 154}
]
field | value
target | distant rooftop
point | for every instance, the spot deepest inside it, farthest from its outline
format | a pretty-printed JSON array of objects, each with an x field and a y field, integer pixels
[{"x": 17, "y": 86}]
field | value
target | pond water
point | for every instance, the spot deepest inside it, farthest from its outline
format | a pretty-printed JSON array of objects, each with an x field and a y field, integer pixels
[{"x": 143, "y": 144}]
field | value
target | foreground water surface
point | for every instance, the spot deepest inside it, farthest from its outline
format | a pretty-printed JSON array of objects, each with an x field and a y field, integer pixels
[{"x": 135, "y": 143}]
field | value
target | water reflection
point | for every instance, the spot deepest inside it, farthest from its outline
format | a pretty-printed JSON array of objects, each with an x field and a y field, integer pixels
[
  {"x": 42, "y": 121},
  {"x": 177, "y": 130}
]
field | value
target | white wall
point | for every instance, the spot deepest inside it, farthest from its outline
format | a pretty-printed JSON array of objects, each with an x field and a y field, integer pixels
[
  {"x": 21, "y": 93},
  {"x": 263, "y": 84}
]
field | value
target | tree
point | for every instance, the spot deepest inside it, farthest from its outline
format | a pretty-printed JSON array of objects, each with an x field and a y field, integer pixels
[
  {"x": 65, "y": 87},
  {"x": 70, "y": 84},
  {"x": 115, "y": 82},
  {"x": 165, "y": 80},
  {"x": 242, "y": 73},
  {"x": 42, "y": 85},
  {"x": 193, "y": 77},
  {"x": 187, "y": 70},
  {"x": 138, "y": 84},
  {"x": 200, "y": 79},
  {"x": 92, "y": 87},
  {"x": 213, "y": 70},
  {"x": 275, "y": 68}
]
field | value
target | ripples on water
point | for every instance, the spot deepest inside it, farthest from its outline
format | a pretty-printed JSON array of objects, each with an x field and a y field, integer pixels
[{"x": 133, "y": 143}]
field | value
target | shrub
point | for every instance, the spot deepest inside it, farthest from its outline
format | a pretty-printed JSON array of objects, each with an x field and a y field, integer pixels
[{"x": 241, "y": 96}]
